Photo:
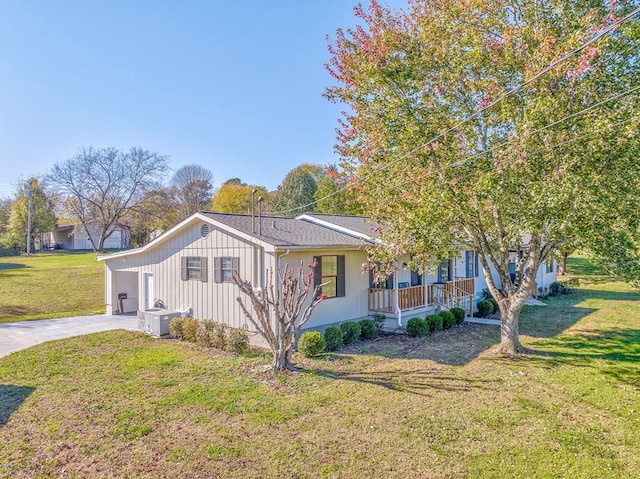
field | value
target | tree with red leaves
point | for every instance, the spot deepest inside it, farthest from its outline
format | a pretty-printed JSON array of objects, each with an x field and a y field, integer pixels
[
  {"x": 280, "y": 311},
  {"x": 461, "y": 136}
]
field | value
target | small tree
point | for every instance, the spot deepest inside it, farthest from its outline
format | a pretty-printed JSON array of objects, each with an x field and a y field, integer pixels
[
  {"x": 192, "y": 187},
  {"x": 297, "y": 190},
  {"x": 284, "y": 302},
  {"x": 43, "y": 217},
  {"x": 233, "y": 196},
  {"x": 103, "y": 185}
]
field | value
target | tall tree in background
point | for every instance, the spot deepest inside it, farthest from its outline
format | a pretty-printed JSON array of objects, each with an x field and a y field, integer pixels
[
  {"x": 5, "y": 213},
  {"x": 192, "y": 186},
  {"x": 297, "y": 190},
  {"x": 43, "y": 217},
  {"x": 446, "y": 161},
  {"x": 156, "y": 212},
  {"x": 234, "y": 196},
  {"x": 334, "y": 194},
  {"x": 102, "y": 185}
]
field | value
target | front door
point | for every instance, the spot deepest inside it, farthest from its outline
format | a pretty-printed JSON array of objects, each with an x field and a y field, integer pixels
[{"x": 148, "y": 291}]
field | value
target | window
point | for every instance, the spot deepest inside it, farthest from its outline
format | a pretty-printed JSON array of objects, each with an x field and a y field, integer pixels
[
  {"x": 193, "y": 268},
  {"x": 331, "y": 269},
  {"x": 224, "y": 267},
  {"x": 416, "y": 278},
  {"x": 445, "y": 271},
  {"x": 471, "y": 264},
  {"x": 383, "y": 284},
  {"x": 549, "y": 266}
]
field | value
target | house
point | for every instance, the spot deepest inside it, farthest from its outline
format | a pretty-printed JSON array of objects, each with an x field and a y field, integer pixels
[
  {"x": 190, "y": 267},
  {"x": 75, "y": 236}
]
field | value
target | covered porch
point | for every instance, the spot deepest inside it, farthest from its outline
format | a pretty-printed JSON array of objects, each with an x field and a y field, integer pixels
[{"x": 456, "y": 293}]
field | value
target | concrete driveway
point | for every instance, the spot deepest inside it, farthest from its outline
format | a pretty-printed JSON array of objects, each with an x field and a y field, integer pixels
[{"x": 22, "y": 335}]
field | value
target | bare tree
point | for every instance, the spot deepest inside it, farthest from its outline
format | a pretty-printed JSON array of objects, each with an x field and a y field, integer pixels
[
  {"x": 284, "y": 303},
  {"x": 193, "y": 188},
  {"x": 101, "y": 186}
]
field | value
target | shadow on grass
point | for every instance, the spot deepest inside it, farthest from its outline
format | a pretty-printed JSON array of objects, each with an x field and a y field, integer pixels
[
  {"x": 581, "y": 266},
  {"x": 414, "y": 381},
  {"x": 610, "y": 295},
  {"x": 618, "y": 348},
  {"x": 10, "y": 399},
  {"x": 4, "y": 266},
  {"x": 551, "y": 320}
]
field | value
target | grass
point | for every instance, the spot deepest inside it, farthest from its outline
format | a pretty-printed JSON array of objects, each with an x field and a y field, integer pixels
[
  {"x": 121, "y": 404},
  {"x": 50, "y": 285}
]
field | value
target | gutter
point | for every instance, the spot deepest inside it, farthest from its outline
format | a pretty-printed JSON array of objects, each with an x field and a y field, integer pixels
[{"x": 398, "y": 310}]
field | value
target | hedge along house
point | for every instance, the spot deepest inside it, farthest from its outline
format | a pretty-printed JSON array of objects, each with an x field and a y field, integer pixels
[{"x": 190, "y": 268}]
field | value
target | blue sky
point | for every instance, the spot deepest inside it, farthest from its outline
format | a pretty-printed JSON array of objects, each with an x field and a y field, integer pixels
[{"x": 233, "y": 86}]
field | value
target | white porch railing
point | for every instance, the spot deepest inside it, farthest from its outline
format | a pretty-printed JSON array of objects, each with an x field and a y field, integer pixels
[{"x": 458, "y": 293}]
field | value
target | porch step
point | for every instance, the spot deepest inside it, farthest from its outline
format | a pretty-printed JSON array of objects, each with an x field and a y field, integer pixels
[{"x": 391, "y": 326}]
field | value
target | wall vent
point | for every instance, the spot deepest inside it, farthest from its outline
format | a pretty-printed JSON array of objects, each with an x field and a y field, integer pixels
[{"x": 204, "y": 231}]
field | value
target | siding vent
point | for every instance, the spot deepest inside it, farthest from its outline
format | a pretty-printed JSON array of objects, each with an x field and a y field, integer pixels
[{"x": 204, "y": 231}]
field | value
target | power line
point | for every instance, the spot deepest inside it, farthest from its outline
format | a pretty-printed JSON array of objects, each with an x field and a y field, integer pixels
[
  {"x": 510, "y": 92},
  {"x": 557, "y": 122},
  {"x": 536, "y": 152}
]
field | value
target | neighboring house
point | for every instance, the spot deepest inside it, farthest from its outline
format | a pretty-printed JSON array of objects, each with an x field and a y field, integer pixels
[
  {"x": 76, "y": 237},
  {"x": 190, "y": 267}
]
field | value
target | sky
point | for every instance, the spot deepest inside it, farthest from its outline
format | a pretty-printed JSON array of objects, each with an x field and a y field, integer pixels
[{"x": 234, "y": 86}]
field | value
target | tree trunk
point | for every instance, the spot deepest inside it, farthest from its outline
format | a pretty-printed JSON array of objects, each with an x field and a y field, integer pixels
[
  {"x": 562, "y": 264},
  {"x": 509, "y": 327},
  {"x": 282, "y": 355}
]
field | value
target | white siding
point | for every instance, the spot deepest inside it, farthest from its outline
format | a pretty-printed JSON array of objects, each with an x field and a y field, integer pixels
[
  {"x": 209, "y": 300},
  {"x": 354, "y": 304}
]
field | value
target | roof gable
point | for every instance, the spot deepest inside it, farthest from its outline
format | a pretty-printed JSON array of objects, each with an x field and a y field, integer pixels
[{"x": 275, "y": 231}]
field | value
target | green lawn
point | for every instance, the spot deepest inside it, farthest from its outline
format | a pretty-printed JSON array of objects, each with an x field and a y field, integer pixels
[
  {"x": 50, "y": 285},
  {"x": 121, "y": 404}
]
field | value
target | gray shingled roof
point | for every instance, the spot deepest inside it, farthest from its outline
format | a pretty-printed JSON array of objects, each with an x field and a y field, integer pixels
[
  {"x": 360, "y": 224},
  {"x": 287, "y": 232}
]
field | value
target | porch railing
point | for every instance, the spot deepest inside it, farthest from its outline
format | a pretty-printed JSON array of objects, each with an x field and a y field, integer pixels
[
  {"x": 381, "y": 300},
  {"x": 459, "y": 293}
]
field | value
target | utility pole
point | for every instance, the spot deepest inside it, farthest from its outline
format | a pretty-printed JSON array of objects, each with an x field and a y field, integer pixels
[{"x": 27, "y": 193}]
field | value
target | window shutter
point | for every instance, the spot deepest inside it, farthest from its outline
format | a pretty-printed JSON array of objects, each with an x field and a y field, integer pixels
[
  {"x": 317, "y": 271},
  {"x": 184, "y": 273},
  {"x": 477, "y": 271},
  {"x": 235, "y": 265},
  {"x": 217, "y": 270},
  {"x": 317, "y": 274},
  {"x": 340, "y": 280},
  {"x": 203, "y": 270}
]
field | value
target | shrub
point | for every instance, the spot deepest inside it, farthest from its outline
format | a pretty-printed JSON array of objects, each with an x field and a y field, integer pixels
[
  {"x": 176, "y": 328},
  {"x": 350, "y": 331},
  {"x": 557, "y": 288},
  {"x": 485, "y": 308},
  {"x": 459, "y": 314},
  {"x": 212, "y": 334},
  {"x": 494, "y": 305},
  {"x": 190, "y": 329},
  {"x": 379, "y": 319},
  {"x": 448, "y": 319},
  {"x": 333, "y": 338},
  {"x": 368, "y": 329},
  {"x": 417, "y": 327},
  {"x": 311, "y": 343},
  {"x": 237, "y": 340},
  {"x": 435, "y": 322}
]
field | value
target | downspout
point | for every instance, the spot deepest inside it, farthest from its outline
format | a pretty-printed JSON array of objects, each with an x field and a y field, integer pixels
[{"x": 398, "y": 310}]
